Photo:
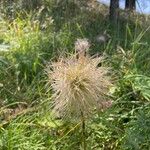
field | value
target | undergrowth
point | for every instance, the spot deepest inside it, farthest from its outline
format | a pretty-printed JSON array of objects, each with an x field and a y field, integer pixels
[{"x": 29, "y": 39}]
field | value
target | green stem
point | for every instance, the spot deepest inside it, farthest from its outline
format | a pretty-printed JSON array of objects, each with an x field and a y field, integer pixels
[{"x": 83, "y": 131}]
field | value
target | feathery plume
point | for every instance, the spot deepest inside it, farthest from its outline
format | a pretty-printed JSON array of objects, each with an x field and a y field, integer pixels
[
  {"x": 82, "y": 46},
  {"x": 78, "y": 84}
]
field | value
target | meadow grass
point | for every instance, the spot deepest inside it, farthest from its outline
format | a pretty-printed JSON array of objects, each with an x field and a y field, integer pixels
[{"x": 26, "y": 121}]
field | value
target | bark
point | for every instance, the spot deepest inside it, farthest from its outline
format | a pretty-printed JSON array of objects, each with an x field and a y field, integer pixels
[
  {"x": 114, "y": 10},
  {"x": 130, "y": 5}
]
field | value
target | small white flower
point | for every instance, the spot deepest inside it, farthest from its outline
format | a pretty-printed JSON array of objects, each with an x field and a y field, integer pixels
[{"x": 1, "y": 85}]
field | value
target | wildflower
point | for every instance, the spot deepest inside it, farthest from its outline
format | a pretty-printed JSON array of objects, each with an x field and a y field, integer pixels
[
  {"x": 103, "y": 38},
  {"x": 78, "y": 84},
  {"x": 82, "y": 46},
  {"x": 1, "y": 85}
]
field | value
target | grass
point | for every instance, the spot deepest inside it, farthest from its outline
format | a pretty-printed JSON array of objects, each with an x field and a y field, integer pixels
[{"x": 26, "y": 122}]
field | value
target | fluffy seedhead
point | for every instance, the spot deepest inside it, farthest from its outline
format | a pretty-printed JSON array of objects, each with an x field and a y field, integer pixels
[
  {"x": 78, "y": 85},
  {"x": 82, "y": 46}
]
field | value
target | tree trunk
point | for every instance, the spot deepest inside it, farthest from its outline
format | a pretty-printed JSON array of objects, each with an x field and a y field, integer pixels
[
  {"x": 130, "y": 5},
  {"x": 114, "y": 10}
]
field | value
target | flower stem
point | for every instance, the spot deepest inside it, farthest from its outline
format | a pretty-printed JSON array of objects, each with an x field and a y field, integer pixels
[{"x": 83, "y": 131}]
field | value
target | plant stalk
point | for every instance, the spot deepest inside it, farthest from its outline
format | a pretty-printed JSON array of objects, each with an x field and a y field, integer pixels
[{"x": 83, "y": 131}]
